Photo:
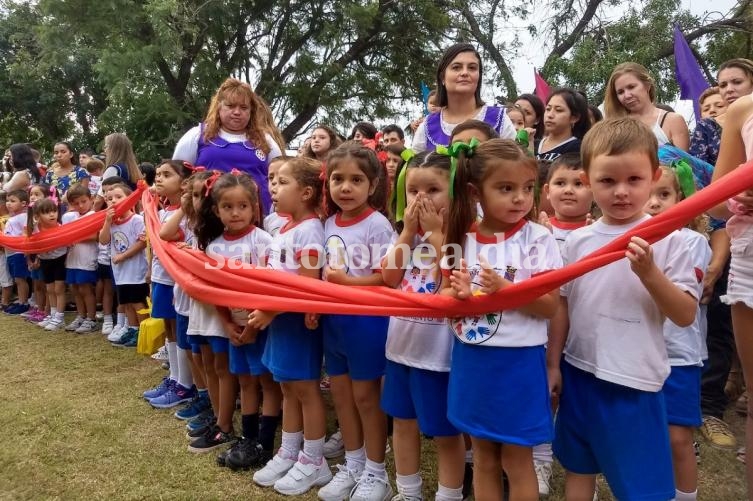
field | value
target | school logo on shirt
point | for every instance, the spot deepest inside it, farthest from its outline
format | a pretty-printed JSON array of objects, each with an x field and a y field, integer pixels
[
  {"x": 479, "y": 329},
  {"x": 337, "y": 254},
  {"x": 120, "y": 242},
  {"x": 260, "y": 155},
  {"x": 421, "y": 275}
]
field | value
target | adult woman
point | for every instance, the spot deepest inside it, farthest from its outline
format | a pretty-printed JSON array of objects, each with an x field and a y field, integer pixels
[
  {"x": 459, "y": 76},
  {"x": 237, "y": 133},
  {"x": 565, "y": 123},
  {"x": 120, "y": 159},
  {"x": 25, "y": 171},
  {"x": 631, "y": 91},
  {"x": 65, "y": 171},
  {"x": 533, "y": 114}
]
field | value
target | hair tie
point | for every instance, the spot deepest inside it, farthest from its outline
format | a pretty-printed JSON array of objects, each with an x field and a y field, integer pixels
[
  {"x": 453, "y": 151},
  {"x": 400, "y": 195},
  {"x": 684, "y": 177},
  {"x": 53, "y": 195},
  {"x": 210, "y": 182},
  {"x": 193, "y": 168},
  {"x": 236, "y": 172}
]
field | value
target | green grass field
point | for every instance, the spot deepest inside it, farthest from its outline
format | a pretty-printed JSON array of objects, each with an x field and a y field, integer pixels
[{"x": 73, "y": 426}]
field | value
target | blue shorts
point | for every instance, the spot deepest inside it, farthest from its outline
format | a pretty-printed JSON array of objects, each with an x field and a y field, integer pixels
[
  {"x": 17, "y": 266},
  {"x": 162, "y": 301},
  {"x": 412, "y": 393},
  {"x": 500, "y": 394},
  {"x": 682, "y": 396},
  {"x": 246, "y": 359},
  {"x": 622, "y": 432},
  {"x": 196, "y": 342},
  {"x": 77, "y": 277},
  {"x": 36, "y": 274},
  {"x": 181, "y": 329},
  {"x": 355, "y": 345},
  {"x": 293, "y": 352},
  {"x": 218, "y": 344}
]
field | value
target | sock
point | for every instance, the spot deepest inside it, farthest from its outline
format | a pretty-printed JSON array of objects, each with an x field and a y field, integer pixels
[
  {"x": 172, "y": 359},
  {"x": 53, "y": 311},
  {"x": 314, "y": 450},
  {"x": 542, "y": 453},
  {"x": 121, "y": 319},
  {"x": 355, "y": 460},
  {"x": 250, "y": 425},
  {"x": 107, "y": 319},
  {"x": 409, "y": 485},
  {"x": 291, "y": 445},
  {"x": 469, "y": 456},
  {"x": 686, "y": 496},
  {"x": 58, "y": 316},
  {"x": 184, "y": 367},
  {"x": 134, "y": 327},
  {"x": 267, "y": 430},
  {"x": 376, "y": 469},
  {"x": 447, "y": 494}
]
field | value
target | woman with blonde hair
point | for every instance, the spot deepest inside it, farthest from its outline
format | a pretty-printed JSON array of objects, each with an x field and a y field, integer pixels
[
  {"x": 238, "y": 132},
  {"x": 120, "y": 159},
  {"x": 631, "y": 91}
]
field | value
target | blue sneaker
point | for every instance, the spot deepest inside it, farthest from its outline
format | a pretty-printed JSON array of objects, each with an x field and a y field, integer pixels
[
  {"x": 129, "y": 340},
  {"x": 160, "y": 389},
  {"x": 176, "y": 395},
  {"x": 199, "y": 404},
  {"x": 17, "y": 309},
  {"x": 200, "y": 422}
]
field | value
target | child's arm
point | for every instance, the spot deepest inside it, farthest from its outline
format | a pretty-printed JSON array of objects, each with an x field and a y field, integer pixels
[
  {"x": 340, "y": 277},
  {"x": 393, "y": 275},
  {"x": 171, "y": 231},
  {"x": 674, "y": 303},
  {"x": 104, "y": 233},
  {"x": 559, "y": 326},
  {"x": 231, "y": 329},
  {"x": 136, "y": 248}
]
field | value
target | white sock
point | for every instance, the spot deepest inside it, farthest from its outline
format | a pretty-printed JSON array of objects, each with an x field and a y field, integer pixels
[
  {"x": 121, "y": 319},
  {"x": 58, "y": 316},
  {"x": 53, "y": 311},
  {"x": 291, "y": 445},
  {"x": 469, "y": 456},
  {"x": 543, "y": 453},
  {"x": 686, "y": 496},
  {"x": 172, "y": 359},
  {"x": 134, "y": 327},
  {"x": 447, "y": 494},
  {"x": 355, "y": 460},
  {"x": 376, "y": 469},
  {"x": 107, "y": 319},
  {"x": 314, "y": 449},
  {"x": 185, "y": 378},
  {"x": 409, "y": 485}
]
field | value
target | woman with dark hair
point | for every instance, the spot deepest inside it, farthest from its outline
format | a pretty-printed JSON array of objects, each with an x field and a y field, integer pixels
[
  {"x": 65, "y": 172},
  {"x": 533, "y": 114},
  {"x": 24, "y": 168},
  {"x": 363, "y": 130},
  {"x": 459, "y": 77},
  {"x": 565, "y": 123}
]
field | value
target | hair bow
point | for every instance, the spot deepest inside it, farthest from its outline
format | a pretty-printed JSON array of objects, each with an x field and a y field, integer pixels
[
  {"x": 210, "y": 182},
  {"x": 400, "y": 195},
  {"x": 236, "y": 172},
  {"x": 54, "y": 195},
  {"x": 194, "y": 168},
  {"x": 685, "y": 178},
  {"x": 453, "y": 151}
]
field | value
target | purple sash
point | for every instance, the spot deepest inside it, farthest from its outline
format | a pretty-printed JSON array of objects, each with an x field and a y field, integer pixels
[{"x": 435, "y": 136}]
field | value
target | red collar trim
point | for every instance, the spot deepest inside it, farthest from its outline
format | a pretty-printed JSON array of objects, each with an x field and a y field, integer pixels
[
  {"x": 229, "y": 237},
  {"x": 563, "y": 225},
  {"x": 123, "y": 221},
  {"x": 350, "y": 222},
  {"x": 292, "y": 224},
  {"x": 483, "y": 239}
]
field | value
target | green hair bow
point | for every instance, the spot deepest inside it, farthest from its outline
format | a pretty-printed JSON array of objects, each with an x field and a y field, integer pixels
[
  {"x": 400, "y": 196},
  {"x": 453, "y": 151},
  {"x": 685, "y": 177}
]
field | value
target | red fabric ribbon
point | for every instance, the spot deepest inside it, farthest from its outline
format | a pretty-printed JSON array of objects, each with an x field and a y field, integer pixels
[{"x": 277, "y": 291}]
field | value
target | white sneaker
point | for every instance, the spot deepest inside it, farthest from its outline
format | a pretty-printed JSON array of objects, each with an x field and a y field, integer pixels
[
  {"x": 161, "y": 354},
  {"x": 543, "y": 475},
  {"x": 75, "y": 324},
  {"x": 117, "y": 333},
  {"x": 371, "y": 488},
  {"x": 44, "y": 322},
  {"x": 99, "y": 315},
  {"x": 274, "y": 470},
  {"x": 334, "y": 447},
  {"x": 107, "y": 327},
  {"x": 87, "y": 326},
  {"x": 55, "y": 324},
  {"x": 303, "y": 476},
  {"x": 340, "y": 486},
  {"x": 405, "y": 497}
]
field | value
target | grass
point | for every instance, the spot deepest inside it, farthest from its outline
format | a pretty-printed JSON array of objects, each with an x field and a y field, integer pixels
[{"x": 73, "y": 426}]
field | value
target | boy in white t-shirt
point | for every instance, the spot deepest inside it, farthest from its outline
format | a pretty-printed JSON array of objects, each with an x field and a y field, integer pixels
[
  {"x": 17, "y": 203},
  {"x": 612, "y": 418}
]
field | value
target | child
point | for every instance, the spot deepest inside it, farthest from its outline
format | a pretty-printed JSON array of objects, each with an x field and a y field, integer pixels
[
  {"x": 517, "y": 116},
  {"x": 127, "y": 238},
  {"x": 274, "y": 221},
  {"x": 394, "y": 161},
  {"x": 293, "y": 352},
  {"x": 323, "y": 140},
  {"x": 612, "y": 417},
  {"x": 168, "y": 184},
  {"x": 6, "y": 281},
  {"x": 51, "y": 263},
  {"x": 110, "y": 327},
  {"x": 471, "y": 129},
  {"x": 565, "y": 123},
  {"x": 418, "y": 349},
  {"x": 686, "y": 347},
  {"x": 503, "y": 419},
  {"x": 356, "y": 238},
  {"x": 39, "y": 311},
  {"x": 95, "y": 167},
  {"x": 81, "y": 263},
  {"x": 16, "y": 203}
]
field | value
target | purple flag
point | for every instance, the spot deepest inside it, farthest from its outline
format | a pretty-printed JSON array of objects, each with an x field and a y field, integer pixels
[{"x": 688, "y": 73}]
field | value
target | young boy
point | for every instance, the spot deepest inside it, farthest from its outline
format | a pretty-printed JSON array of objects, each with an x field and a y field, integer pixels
[
  {"x": 95, "y": 167},
  {"x": 612, "y": 418},
  {"x": 17, "y": 203},
  {"x": 6, "y": 281}
]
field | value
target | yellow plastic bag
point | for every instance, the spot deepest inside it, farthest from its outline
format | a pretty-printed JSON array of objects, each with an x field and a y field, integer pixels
[{"x": 151, "y": 333}]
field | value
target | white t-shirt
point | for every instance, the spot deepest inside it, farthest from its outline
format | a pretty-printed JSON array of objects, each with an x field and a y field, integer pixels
[
  {"x": 95, "y": 184},
  {"x": 103, "y": 255},
  {"x": 123, "y": 236},
  {"x": 53, "y": 253},
  {"x": 421, "y": 342},
  {"x": 15, "y": 227},
  {"x": 187, "y": 148},
  {"x": 357, "y": 245},
  {"x": 419, "y": 139},
  {"x": 83, "y": 255},
  {"x": 273, "y": 222},
  {"x": 687, "y": 345},
  {"x": 180, "y": 298},
  {"x": 616, "y": 329},
  {"x": 293, "y": 241},
  {"x": 561, "y": 230},
  {"x": 159, "y": 273},
  {"x": 524, "y": 251},
  {"x": 237, "y": 250}
]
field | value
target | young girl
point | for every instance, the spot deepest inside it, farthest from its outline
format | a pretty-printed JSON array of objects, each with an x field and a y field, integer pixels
[
  {"x": 81, "y": 263},
  {"x": 504, "y": 419},
  {"x": 356, "y": 238},
  {"x": 394, "y": 161},
  {"x": 274, "y": 221},
  {"x": 565, "y": 124},
  {"x": 293, "y": 352},
  {"x": 168, "y": 184},
  {"x": 41, "y": 310},
  {"x": 323, "y": 140},
  {"x": 686, "y": 346},
  {"x": 418, "y": 349},
  {"x": 127, "y": 238},
  {"x": 46, "y": 216}
]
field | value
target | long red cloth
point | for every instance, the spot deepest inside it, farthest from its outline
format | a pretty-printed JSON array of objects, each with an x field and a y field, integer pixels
[
  {"x": 69, "y": 234},
  {"x": 277, "y": 291}
]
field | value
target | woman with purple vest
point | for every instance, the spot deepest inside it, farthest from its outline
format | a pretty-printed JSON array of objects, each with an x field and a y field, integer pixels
[
  {"x": 237, "y": 133},
  {"x": 459, "y": 96}
]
